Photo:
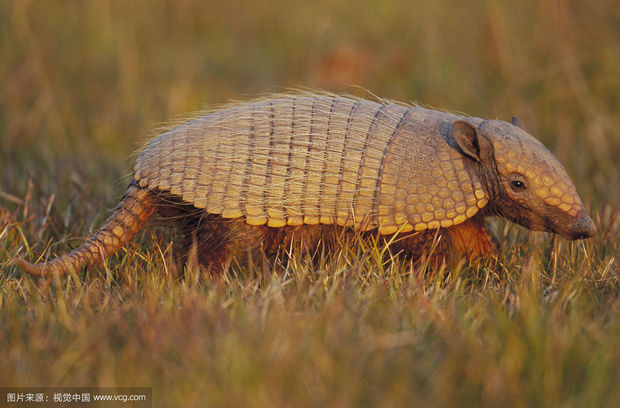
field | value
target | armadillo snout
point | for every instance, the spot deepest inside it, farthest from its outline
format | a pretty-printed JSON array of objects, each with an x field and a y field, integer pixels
[{"x": 583, "y": 227}]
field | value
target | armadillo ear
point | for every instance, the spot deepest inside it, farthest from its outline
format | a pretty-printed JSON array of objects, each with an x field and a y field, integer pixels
[
  {"x": 470, "y": 141},
  {"x": 518, "y": 122}
]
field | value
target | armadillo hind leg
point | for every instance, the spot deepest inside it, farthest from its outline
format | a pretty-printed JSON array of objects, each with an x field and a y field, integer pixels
[
  {"x": 134, "y": 210},
  {"x": 219, "y": 240},
  {"x": 209, "y": 236}
]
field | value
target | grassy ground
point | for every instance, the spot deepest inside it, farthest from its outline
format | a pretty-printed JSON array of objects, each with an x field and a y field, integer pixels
[{"x": 84, "y": 83}]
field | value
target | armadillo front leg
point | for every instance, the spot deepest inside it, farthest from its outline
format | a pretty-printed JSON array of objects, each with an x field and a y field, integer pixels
[
  {"x": 471, "y": 239},
  {"x": 134, "y": 210}
]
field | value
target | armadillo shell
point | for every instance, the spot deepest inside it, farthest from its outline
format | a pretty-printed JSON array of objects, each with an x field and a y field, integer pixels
[{"x": 292, "y": 160}]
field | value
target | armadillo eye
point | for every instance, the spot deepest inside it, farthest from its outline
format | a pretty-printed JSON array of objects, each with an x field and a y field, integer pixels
[{"x": 517, "y": 185}]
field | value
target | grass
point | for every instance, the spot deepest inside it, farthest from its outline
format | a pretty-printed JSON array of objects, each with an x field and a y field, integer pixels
[{"x": 85, "y": 82}]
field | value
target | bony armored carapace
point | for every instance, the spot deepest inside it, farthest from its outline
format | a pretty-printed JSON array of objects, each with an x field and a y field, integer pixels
[{"x": 298, "y": 168}]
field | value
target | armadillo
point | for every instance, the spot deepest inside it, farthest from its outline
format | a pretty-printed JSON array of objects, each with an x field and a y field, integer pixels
[{"x": 292, "y": 168}]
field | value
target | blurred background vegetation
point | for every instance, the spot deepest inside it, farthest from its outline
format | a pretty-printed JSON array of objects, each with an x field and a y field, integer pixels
[{"x": 84, "y": 83}]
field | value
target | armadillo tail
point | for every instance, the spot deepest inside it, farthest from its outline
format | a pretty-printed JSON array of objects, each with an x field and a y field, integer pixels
[{"x": 134, "y": 210}]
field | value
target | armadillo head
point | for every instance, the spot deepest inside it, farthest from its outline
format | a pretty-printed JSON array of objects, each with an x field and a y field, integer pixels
[{"x": 529, "y": 185}]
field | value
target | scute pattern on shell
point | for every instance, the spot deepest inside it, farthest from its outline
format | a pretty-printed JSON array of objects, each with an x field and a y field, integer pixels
[{"x": 310, "y": 159}]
